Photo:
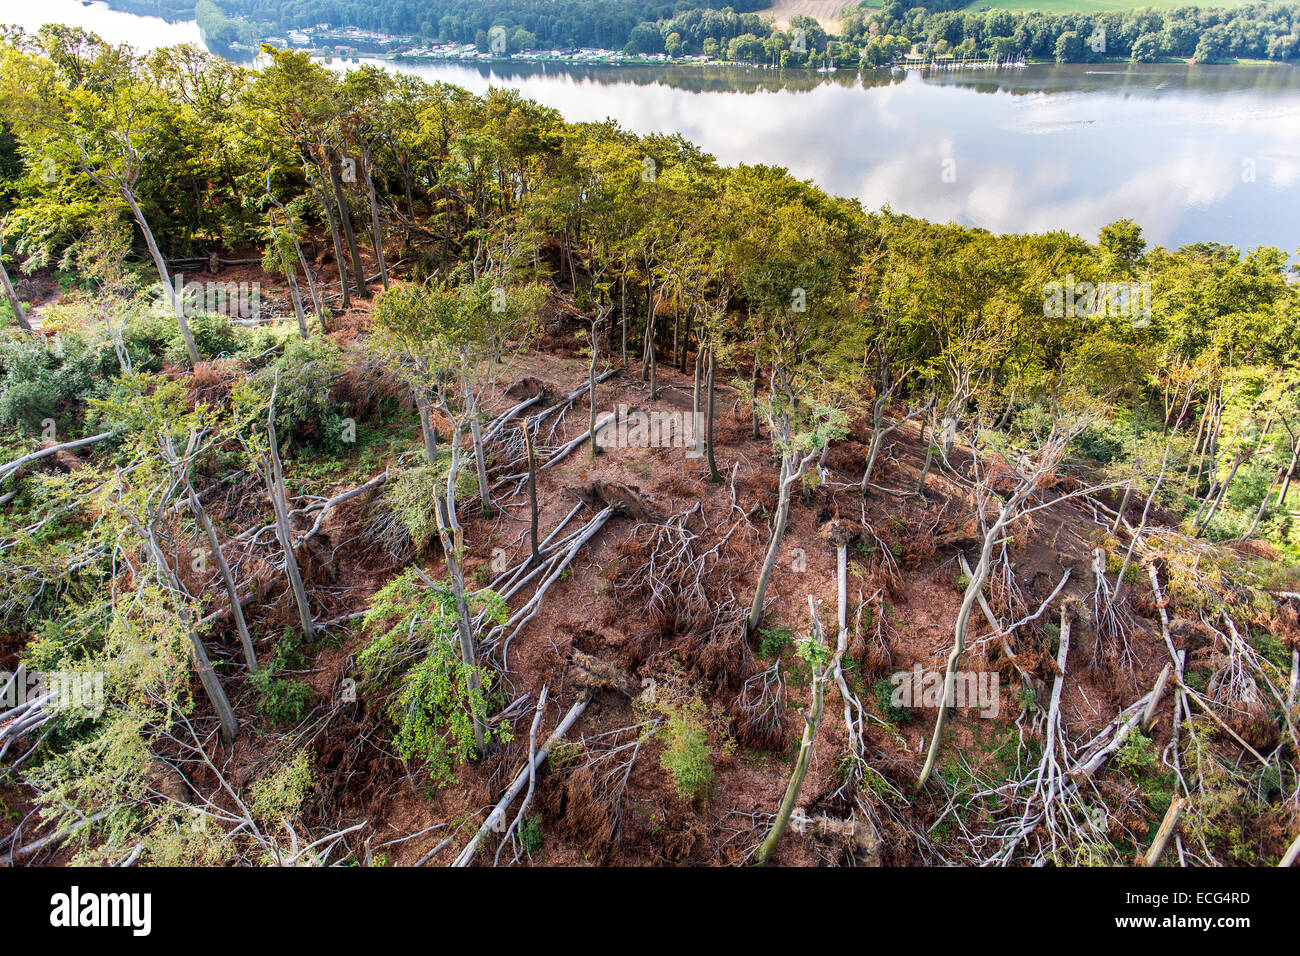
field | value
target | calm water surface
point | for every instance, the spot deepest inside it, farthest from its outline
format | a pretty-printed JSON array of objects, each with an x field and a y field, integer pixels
[{"x": 1193, "y": 153}]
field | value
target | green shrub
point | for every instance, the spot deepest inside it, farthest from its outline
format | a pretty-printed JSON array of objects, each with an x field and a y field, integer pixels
[
  {"x": 530, "y": 833},
  {"x": 48, "y": 381},
  {"x": 214, "y": 336},
  {"x": 282, "y": 700},
  {"x": 278, "y": 794},
  {"x": 1103, "y": 442},
  {"x": 773, "y": 640},
  {"x": 687, "y": 754},
  {"x": 1136, "y": 754},
  {"x": 884, "y": 691},
  {"x": 147, "y": 336},
  {"x": 304, "y": 406},
  {"x": 406, "y": 519},
  {"x": 416, "y": 645}
]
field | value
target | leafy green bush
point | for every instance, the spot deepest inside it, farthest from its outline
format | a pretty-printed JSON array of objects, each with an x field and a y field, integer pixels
[
  {"x": 282, "y": 700},
  {"x": 46, "y": 381},
  {"x": 773, "y": 640},
  {"x": 214, "y": 335},
  {"x": 278, "y": 794},
  {"x": 687, "y": 754},
  {"x": 304, "y": 405},
  {"x": 884, "y": 691},
  {"x": 530, "y": 833},
  {"x": 406, "y": 516},
  {"x": 1102, "y": 442},
  {"x": 416, "y": 644},
  {"x": 147, "y": 335},
  {"x": 1136, "y": 754}
]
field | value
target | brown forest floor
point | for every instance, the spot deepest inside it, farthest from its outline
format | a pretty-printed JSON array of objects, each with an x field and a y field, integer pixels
[{"x": 360, "y": 779}]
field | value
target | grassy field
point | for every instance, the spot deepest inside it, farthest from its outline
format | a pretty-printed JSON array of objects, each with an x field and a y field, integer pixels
[{"x": 1096, "y": 6}]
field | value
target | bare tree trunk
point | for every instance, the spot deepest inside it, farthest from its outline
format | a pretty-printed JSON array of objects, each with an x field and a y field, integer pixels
[
  {"x": 453, "y": 473},
  {"x": 450, "y": 535},
  {"x": 178, "y": 305},
  {"x": 791, "y": 472},
  {"x": 1223, "y": 490},
  {"x": 879, "y": 435},
  {"x": 973, "y": 588},
  {"x": 317, "y": 305},
  {"x": 426, "y": 425},
  {"x": 929, "y": 458},
  {"x": 1166, "y": 830},
  {"x": 536, "y": 556},
  {"x": 591, "y": 385},
  {"x": 228, "y": 579},
  {"x": 216, "y": 694},
  {"x": 274, "y": 474},
  {"x": 699, "y": 378},
  {"x": 214, "y": 545},
  {"x": 714, "y": 476},
  {"x": 480, "y": 461},
  {"x": 323, "y": 198},
  {"x": 812, "y": 720},
  {"x": 1123, "y": 507},
  {"x": 297, "y": 307},
  {"x": 1290, "y": 471},
  {"x": 1263, "y": 505},
  {"x": 349, "y": 234},
  {"x": 10, "y": 294},
  {"x": 622, "y": 310},
  {"x": 376, "y": 230}
]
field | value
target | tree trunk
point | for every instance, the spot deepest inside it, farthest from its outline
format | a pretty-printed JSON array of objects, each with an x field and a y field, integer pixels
[
  {"x": 228, "y": 579},
  {"x": 216, "y": 694},
  {"x": 297, "y": 306},
  {"x": 929, "y": 457},
  {"x": 318, "y": 306},
  {"x": 790, "y": 473},
  {"x": 622, "y": 310},
  {"x": 708, "y": 423},
  {"x": 1263, "y": 505},
  {"x": 376, "y": 230},
  {"x": 12, "y": 296},
  {"x": 1218, "y": 500},
  {"x": 178, "y": 304},
  {"x": 536, "y": 557},
  {"x": 591, "y": 387},
  {"x": 453, "y": 473},
  {"x": 323, "y": 198},
  {"x": 1123, "y": 507},
  {"x": 812, "y": 720},
  {"x": 450, "y": 545},
  {"x": 973, "y": 588},
  {"x": 275, "y": 488},
  {"x": 484, "y": 489},
  {"x": 1290, "y": 471},
  {"x": 427, "y": 429},
  {"x": 349, "y": 234}
]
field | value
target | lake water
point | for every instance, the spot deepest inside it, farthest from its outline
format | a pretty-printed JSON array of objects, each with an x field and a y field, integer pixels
[{"x": 1193, "y": 153}]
